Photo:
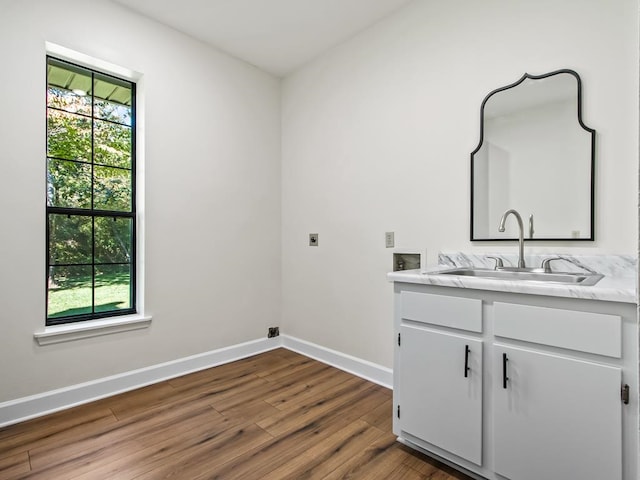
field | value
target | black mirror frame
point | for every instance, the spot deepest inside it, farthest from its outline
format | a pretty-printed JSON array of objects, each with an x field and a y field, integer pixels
[{"x": 593, "y": 159}]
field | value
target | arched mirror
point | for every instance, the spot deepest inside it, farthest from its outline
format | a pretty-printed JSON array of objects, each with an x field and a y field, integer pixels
[{"x": 536, "y": 156}]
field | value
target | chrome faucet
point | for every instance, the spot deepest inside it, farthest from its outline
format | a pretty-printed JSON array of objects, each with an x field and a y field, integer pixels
[{"x": 520, "y": 237}]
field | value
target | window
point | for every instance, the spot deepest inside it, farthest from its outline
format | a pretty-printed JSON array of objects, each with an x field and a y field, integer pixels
[{"x": 90, "y": 197}]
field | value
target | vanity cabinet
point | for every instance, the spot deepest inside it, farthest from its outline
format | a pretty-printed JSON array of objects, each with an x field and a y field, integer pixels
[
  {"x": 441, "y": 389},
  {"x": 542, "y": 396},
  {"x": 556, "y": 415},
  {"x": 441, "y": 379}
]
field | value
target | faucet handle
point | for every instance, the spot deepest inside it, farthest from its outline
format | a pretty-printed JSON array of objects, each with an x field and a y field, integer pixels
[
  {"x": 499, "y": 262},
  {"x": 547, "y": 268},
  {"x": 546, "y": 263}
]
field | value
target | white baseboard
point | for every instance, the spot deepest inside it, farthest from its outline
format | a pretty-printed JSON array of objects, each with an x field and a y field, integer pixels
[
  {"x": 362, "y": 368},
  {"x": 25, "y": 408},
  {"x": 21, "y": 409}
]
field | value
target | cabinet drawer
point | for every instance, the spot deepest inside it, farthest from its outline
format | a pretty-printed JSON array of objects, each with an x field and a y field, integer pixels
[
  {"x": 582, "y": 331},
  {"x": 454, "y": 312}
]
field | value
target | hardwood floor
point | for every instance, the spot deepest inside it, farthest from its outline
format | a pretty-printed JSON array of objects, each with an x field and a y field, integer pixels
[{"x": 278, "y": 415}]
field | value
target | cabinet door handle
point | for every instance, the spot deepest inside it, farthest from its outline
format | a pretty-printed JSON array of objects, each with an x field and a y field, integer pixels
[
  {"x": 504, "y": 370},
  {"x": 466, "y": 361}
]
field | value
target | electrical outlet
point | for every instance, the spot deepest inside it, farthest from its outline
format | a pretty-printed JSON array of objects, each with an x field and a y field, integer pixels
[
  {"x": 273, "y": 332},
  {"x": 389, "y": 239},
  {"x": 313, "y": 239}
]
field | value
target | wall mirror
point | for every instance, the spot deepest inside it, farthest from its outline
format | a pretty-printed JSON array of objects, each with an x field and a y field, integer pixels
[{"x": 536, "y": 156}]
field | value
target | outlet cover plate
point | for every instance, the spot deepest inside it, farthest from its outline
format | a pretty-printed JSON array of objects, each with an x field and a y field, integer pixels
[{"x": 389, "y": 239}]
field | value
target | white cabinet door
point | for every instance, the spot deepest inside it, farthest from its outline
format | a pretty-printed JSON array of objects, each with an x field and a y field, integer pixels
[
  {"x": 557, "y": 418},
  {"x": 440, "y": 400}
]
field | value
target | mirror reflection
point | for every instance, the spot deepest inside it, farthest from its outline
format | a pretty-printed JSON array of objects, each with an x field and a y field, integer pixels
[{"x": 535, "y": 156}]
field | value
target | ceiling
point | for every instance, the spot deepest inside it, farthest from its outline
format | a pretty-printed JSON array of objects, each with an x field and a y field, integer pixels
[{"x": 277, "y": 36}]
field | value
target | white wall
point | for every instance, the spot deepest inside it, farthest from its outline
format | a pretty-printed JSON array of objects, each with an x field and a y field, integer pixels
[
  {"x": 212, "y": 133},
  {"x": 377, "y": 135}
]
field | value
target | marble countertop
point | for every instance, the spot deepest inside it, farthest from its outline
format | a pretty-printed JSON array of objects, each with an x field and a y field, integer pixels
[{"x": 615, "y": 286}]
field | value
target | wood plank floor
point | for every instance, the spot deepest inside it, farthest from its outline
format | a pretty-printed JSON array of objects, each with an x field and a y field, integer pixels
[{"x": 277, "y": 415}]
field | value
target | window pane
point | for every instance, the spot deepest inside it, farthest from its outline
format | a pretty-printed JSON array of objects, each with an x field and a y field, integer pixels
[
  {"x": 112, "y": 144},
  {"x": 113, "y": 287},
  {"x": 113, "y": 90},
  {"x": 69, "y": 291},
  {"x": 112, "y": 189},
  {"x": 69, "y": 86},
  {"x": 68, "y": 184},
  {"x": 116, "y": 112},
  {"x": 113, "y": 240},
  {"x": 68, "y": 136},
  {"x": 67, "y": 100},
  {"x": 69, "y": 239}
]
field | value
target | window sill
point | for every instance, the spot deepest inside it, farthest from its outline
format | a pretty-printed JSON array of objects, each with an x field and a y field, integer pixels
[{"x": 91, "y": 328}]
